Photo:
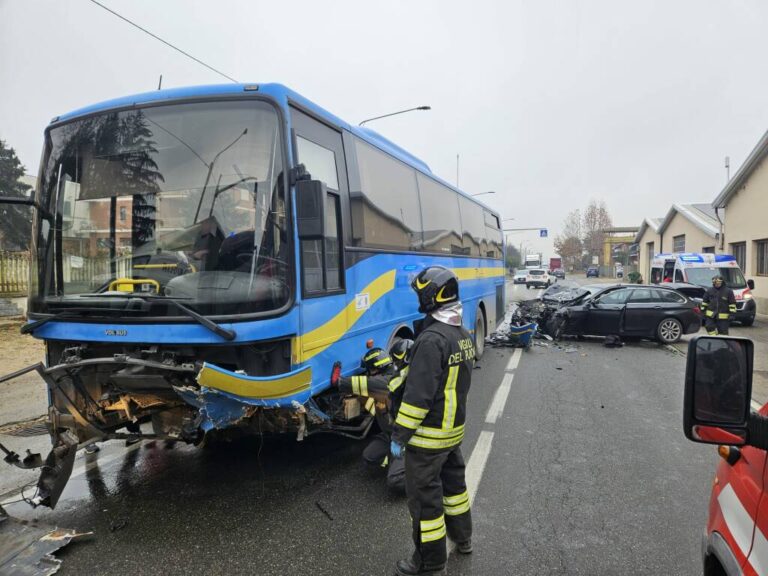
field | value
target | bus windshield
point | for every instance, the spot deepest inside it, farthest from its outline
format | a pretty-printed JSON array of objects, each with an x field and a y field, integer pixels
[
  {"x": 184, "y": 201},
  {"x": 734, "y": 279}
]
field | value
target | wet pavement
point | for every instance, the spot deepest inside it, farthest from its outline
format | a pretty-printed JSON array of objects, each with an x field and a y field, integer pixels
[{"x": 587, "y": 472}]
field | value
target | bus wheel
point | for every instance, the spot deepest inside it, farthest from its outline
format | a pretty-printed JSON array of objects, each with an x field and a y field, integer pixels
[{"x": 479, "y": 333}]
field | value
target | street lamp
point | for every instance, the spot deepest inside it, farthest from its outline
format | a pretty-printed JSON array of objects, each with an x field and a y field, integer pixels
[
  {"x": 481, "y": 193},
  {"x": 395, "y": 113}
]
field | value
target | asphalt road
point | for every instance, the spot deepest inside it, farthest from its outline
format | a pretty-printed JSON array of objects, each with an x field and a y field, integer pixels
[{"x": 587, "y": 472}]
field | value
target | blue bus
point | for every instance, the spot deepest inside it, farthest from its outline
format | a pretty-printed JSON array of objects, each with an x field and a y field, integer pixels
[{"x": 203, "y": 255}]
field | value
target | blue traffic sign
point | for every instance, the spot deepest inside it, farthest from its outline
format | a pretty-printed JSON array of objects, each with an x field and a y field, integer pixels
[{"x": 543, "y": 233}]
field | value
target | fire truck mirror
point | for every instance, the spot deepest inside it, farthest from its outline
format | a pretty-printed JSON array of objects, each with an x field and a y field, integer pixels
[{"x": 718, "y": 389}]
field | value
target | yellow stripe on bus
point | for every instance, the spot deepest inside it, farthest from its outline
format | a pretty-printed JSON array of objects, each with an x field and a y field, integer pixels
[
  {"x": 321, "y": 338},
  {"x": 254, "y": 388},
  {"x": 478, "y": 273}
]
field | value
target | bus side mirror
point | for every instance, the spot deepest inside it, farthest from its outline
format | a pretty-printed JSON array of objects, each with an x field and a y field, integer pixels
[
  {"x": 718, "y": 390},
  {"x": 751, "y": 284},
  {"x": 310, "y": 209}
]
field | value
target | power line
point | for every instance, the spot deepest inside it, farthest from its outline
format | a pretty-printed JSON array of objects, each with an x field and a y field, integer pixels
[{"x": 156, "y": 37}]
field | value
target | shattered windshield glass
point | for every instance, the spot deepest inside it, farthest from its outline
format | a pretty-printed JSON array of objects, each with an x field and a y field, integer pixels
[
  {"x": 184, "y": 200},
  {"x": 564, "y": 291}
]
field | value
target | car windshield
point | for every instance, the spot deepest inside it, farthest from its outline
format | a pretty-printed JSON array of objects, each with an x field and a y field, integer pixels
[
  {"x": 565, "y": 292},
  {"x": 703, "y": 276},
  {"x": 185, "y": 201},
  {"x": 536, "y": 272}
]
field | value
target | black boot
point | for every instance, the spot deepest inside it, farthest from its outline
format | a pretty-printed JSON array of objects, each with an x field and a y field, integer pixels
[
  {"x": 464, "y": 547},
  {"x": 408, "y": 568}
]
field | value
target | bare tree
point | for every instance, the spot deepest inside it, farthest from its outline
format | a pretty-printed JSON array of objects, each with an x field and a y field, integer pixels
[
  {"x": 568, "y": 243},
  {"x": 594, "y": 222}
]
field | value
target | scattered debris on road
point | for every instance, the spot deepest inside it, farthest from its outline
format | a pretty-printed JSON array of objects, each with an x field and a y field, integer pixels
[{"x": 26, "y": 548}]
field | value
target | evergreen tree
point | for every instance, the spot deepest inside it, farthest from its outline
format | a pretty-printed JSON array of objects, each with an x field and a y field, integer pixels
[{"x": 15, "y": 221}]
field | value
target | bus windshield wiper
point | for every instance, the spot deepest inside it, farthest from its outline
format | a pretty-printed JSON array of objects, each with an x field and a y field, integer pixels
[
  {"x": 207, "y": 322},
  {"x": 32, "y": 326}
]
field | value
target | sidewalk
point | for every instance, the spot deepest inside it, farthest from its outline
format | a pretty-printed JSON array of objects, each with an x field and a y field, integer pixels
[
  {"x": 758, "y": 333},
  {"x": 25, "y": 397}
]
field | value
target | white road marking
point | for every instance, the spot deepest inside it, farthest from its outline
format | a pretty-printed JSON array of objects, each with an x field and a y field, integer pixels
[
  {"x": 514, "y": 360},
  {"x": 477, "y": 462},
  {"x": 499, "y": 399},
  {"x": 756, "y": 406},
  {"x": 474, "y": 470}
]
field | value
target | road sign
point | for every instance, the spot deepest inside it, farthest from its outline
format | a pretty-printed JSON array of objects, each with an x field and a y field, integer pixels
[{"x": 543, "y": 233}]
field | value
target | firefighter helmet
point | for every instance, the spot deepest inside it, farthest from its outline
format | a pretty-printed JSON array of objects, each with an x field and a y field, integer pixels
[
  {"x": 401, "y": 351},
  {"x": 435, "y": 286},
  {"x": 375, "y": 360}
]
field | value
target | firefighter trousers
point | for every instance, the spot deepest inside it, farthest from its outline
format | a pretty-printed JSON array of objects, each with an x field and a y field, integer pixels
[
  {"x": 438, "y": 502},
  {"x": 377, "y": 454},
  {"x": 716, "y": 327}
]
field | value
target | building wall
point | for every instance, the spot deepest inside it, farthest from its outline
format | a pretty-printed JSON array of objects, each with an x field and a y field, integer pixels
[
  {"x": 644, "y": 260},
  {"x": 746, "y": 220},
  {"x": 695, "y": 239}
]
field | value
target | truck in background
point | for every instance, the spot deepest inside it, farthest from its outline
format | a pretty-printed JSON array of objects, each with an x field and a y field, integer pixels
[
  {"x": 555, "y": 264},
  {"x": 533, "y": 261}
]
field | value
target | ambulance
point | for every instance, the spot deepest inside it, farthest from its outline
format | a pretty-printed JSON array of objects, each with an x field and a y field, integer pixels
[
  {"x": 698, "y": 269},
  {"x": 718, "y": 409}
]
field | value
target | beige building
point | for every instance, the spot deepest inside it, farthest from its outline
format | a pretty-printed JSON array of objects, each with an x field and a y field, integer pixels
[
  {"x": 648, "y": 243},
  {"x": 689, "y": 228},
  {"x": 745, "y": 203}
]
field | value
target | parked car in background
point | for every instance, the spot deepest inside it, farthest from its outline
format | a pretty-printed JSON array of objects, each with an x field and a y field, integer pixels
[
  {"x": 520, "y": 276},
  {"x": 537, "y": 278},
  {"x": 593, "y": 272},
  {"x": 559, "y": 273},
  {"x": 634, "y": 310}
]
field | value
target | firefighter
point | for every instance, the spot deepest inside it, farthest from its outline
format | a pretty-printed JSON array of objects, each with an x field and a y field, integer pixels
[
  {"x": 430, "y": 425},
  {"x": 382, "y": 385},
  {"x": 719, "y": 306}
]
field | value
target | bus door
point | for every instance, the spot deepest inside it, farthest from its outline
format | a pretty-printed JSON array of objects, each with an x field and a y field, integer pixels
[{"x": 321, "y": 267}]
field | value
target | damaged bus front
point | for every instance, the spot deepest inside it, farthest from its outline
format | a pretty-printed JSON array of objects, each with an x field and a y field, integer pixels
[{"x": 189, "y": 271}]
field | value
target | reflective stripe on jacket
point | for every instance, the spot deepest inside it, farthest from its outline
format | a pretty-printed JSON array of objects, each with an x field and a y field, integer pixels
[
  {"x": 719, "y": 303},
  {"x": 433, "y": 408}
]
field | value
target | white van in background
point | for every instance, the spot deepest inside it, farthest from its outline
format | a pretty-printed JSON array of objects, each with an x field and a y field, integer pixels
[{"x": 699, "y": 269}]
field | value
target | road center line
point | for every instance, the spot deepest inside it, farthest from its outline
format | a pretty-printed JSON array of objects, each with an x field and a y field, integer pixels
[
  {"x": 514, "y": 360},
  {"x": 499, "y": 399}
]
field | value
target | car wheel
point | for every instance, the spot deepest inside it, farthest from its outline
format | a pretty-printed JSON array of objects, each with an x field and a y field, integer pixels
[
  {"x": 748, "y": 321},
  {"x": 479, "y": 334},
  {"x": 669, "y": 331}
]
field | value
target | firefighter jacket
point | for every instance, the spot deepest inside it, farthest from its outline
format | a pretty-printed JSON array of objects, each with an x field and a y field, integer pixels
[
  {"x": 432, "y": 412},
  {"x": 719, "y": 303},
  {"x": 383, "y": 392}
]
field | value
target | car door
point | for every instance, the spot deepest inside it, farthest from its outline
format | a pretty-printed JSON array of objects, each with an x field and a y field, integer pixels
[
  {"x": 644, "y": 310},
  {"x": 605, "y": 312}
]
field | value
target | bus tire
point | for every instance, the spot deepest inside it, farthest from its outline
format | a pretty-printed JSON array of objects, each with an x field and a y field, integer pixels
[{"x": 479, "y": 333}]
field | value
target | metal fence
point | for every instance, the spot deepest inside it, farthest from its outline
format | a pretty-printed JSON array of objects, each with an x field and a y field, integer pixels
[{"x": 14, "y": 274}]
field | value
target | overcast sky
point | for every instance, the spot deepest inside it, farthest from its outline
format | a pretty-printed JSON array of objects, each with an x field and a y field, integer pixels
[{"x": 547, "y": 103}]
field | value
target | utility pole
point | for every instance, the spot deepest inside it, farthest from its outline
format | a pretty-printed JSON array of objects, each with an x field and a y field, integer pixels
[{"x": 457, "y": 170}]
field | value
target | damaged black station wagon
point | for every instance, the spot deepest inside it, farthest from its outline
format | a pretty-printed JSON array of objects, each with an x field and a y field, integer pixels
[{"x": 635, "y": 311}]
